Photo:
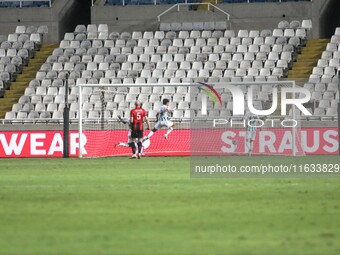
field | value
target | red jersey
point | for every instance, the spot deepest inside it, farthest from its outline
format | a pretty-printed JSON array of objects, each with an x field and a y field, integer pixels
[{"x": 138, "y": 115}]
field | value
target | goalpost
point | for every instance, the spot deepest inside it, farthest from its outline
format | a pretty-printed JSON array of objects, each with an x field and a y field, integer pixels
[{"x": 208, "y": 119}]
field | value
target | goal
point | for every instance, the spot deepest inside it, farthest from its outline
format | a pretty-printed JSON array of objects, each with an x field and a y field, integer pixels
[
  {"x": 102, "y": 130},
  {"x": 210, "y": 119}
]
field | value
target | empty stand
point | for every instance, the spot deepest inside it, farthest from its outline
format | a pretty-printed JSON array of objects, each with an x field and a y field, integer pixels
[
  {"x": 207, "y": 53},
  {"x": 15, "y": 52},
  {"x": 323, "y": 82}
]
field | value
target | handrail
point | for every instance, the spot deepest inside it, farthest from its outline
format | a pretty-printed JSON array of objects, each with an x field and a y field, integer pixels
[
  {"x": 187, "y": 4},
  {"x": 167, "y": 10},
  {"x": 21, "y": 1}
]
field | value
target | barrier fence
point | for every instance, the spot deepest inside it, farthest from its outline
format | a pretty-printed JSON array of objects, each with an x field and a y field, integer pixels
[{"x": 50, "y": 143}]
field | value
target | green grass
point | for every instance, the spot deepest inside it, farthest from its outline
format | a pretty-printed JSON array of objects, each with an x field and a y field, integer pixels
[{"x": 116, "y": 206}]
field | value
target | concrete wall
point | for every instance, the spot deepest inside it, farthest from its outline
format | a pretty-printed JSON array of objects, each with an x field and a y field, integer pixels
[
  {"x": 59, "y": 18},
  {"x": 330, "y": 18},
  {"x": 243, "y": 16},
  {"x": 64, "y": 15}
]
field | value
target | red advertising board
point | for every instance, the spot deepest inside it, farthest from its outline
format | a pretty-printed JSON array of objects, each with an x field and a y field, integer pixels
[{"x": 180, "y": 143}]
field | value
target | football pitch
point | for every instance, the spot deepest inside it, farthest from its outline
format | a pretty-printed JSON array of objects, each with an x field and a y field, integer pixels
[{"x": 152, "y": 206}]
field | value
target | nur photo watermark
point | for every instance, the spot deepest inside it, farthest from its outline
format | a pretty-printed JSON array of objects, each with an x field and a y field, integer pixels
[{"x": 256, "y": 120}]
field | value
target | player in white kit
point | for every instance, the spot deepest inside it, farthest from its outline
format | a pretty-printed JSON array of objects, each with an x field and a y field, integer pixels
[
  {"x": 129, "y": 142},
  {"x": 251, "y": 128},
  {"x": 163, "y": 120}
]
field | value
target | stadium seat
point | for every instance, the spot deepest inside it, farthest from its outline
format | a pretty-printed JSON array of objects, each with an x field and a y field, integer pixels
[
  {"x": 283, "y": 24},
  {"x": 185, "y": 52},
  {"x": 306, "y": 24}
]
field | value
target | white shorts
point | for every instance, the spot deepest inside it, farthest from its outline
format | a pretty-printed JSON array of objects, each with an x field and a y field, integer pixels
[
  {"x": 250, "y": 135},
  {"x": 164, "y": 123},
  {"x": 129, "y": 136}
]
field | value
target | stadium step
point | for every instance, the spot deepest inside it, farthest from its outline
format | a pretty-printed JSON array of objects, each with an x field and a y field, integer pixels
[
  {"x": 308, "y": 59},
  {"x": 7, "y": 105},
  {"x": 18, "y": 87}
]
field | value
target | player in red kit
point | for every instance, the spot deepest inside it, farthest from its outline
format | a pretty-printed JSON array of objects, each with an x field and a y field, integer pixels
[{"x": 137, "y": 118}]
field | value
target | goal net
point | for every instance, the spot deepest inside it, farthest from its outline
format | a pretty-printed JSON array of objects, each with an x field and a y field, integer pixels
[
  {"x": 105, "y": 116},
  {"x": 210, "y": 119}
]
